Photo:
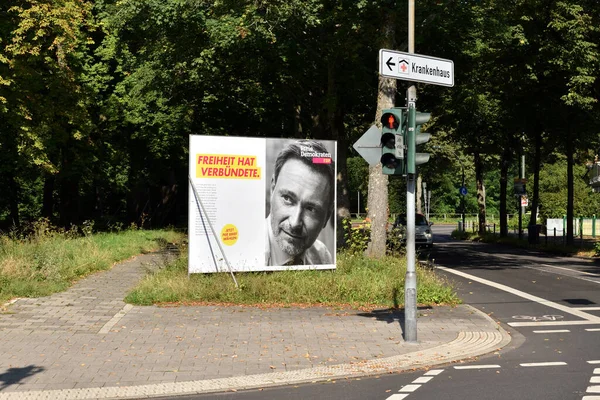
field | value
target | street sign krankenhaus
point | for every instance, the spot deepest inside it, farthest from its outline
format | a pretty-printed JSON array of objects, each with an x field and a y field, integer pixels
[{"x": 416, "y": 67}]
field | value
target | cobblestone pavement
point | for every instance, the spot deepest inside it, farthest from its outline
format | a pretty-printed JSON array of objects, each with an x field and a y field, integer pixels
[{"x": 87, "y": 343}]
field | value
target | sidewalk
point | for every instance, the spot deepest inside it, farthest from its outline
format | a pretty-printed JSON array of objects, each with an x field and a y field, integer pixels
[{"x": 86, "y": 343}]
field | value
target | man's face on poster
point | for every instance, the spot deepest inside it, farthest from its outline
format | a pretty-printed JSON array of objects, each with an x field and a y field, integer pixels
[{"x": 299, "y": 206}]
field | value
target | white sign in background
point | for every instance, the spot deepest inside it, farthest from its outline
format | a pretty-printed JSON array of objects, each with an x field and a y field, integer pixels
[
  {"x": 554, "y": 223},
  {"x": 232, "y": 178},
  {"x": 416, "y": 67}
]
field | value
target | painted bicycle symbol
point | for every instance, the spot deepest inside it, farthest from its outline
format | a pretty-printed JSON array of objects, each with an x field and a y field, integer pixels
[{"x": 536, "y": 319}]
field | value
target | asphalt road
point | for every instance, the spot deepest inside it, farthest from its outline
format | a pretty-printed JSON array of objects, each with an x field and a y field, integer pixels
[{"x": 550, "y": 306}]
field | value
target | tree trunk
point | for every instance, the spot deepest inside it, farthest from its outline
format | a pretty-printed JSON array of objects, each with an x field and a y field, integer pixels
[
  {"x": 537, "y": 159},
  {"x": 298, "y": 133},
  {"x": 504, "y": 165},
  {"x": 13, "y": 188},
  {"x": 48, "y": 196},
  {"x": 9, "y": 168},
  {"x": 343, "y": 201},
  {"x": 378, "y": 209},
  {"x": 570, "y": 194},
  {"x": 336, "y": 124},
  {"x": 69, "y": 189},
  {"x": 480, "y": 191}
]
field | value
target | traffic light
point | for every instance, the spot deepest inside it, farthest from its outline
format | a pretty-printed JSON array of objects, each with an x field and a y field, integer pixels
[
  {"x": 393, "y": 121},
  {"x": 415, "y": 137}
]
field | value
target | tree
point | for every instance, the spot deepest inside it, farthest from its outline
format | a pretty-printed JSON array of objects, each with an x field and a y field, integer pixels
[{"x": 46, "y": 126}]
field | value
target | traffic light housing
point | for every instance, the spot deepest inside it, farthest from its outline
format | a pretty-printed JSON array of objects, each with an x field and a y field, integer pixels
[
  {"x": 393, "y": 121},
  {"x": 415, "y": 137}
]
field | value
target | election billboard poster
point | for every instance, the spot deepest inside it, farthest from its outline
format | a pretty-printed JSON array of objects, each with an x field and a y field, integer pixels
[{"x": 261, "y": 204}]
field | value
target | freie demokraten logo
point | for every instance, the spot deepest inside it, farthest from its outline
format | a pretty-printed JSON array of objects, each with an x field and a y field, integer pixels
[
  {"x": 317, "y": 158},
  {"x": 403, "y": 66}
]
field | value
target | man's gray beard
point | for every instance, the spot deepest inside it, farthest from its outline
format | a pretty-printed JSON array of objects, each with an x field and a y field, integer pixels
[{"x": 289, "y": 249}]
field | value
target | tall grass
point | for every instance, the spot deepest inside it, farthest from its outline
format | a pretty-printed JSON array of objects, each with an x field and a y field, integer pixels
[
  {"x": 48, "y": 260},
  {"x": 358, "y": 281}
]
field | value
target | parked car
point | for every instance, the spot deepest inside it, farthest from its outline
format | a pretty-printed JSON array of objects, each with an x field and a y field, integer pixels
[{"x": 423, "y": 234}]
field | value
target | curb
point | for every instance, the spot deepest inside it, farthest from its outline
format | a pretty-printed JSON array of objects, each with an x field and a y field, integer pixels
[{"x": 466, "y": 345}]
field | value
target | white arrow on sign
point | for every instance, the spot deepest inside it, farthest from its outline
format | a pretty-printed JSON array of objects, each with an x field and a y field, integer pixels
[{"x": 369, "y": 145}]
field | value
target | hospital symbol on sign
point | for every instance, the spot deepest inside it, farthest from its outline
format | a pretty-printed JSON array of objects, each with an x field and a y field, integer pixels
[{"x": 403, "y": 66}]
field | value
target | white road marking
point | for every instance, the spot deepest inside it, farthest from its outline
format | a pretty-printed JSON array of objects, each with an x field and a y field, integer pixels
[
  {"x": 409, "y": 388},
  {"x": 573, "y": 270},
  {"x": 397, "y": 397},
  {"x": 553, "y": 331},
  {"x": 589, "y": 317},
  {"x": 116, "y": 318},
  {"x": 588, "y": 308},
  {"x": 561, "y": 268},
  {"x": 593, "y": 379},
  {"x": 476, "y": 366},
  {"x": 553, "y": 323},
  {"x": 423, "y": 379},
  {"x": 593, "y": 329},
  {"x": 434, "y": 372},
  {"x": 543, "y": 364},
  {"x": 594, "y": 362}
]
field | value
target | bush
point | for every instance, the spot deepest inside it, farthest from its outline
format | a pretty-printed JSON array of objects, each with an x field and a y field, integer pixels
[
  {"x": 395, "y": 244},
  {"x": 357, "y": 238},
  {"x": 462, "y": 235}
]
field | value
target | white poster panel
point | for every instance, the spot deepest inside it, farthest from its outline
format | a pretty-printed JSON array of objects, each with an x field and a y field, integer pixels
[
  {"x": 261, "y": 204},
  {"x": 554, "y": 223}
]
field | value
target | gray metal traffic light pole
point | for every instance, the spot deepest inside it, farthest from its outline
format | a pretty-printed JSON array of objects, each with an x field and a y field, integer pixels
[{"x": 410, "y": 281}]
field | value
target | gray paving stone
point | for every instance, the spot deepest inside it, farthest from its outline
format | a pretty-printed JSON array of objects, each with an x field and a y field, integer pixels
[{"x": 56, "y": 342}]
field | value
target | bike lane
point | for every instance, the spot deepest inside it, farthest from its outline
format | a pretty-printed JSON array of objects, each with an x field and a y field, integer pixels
[
  {"x": 519, "y": 291},
  {"x": 553, "y": 315}
]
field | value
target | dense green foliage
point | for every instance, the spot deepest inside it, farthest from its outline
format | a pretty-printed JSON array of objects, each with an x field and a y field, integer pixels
[
  {"x": 553, "y": 191},
  {"x": 97, "y": 98}
]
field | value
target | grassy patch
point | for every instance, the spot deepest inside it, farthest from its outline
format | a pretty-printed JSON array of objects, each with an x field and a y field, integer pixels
[
  {"x": 358, "y": 282},
  {"x": 463, "y": 235},
  {"x": 49, "y": 261}
]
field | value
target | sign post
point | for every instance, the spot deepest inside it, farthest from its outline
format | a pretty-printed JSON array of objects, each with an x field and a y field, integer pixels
[
  {"x": 417, "y": 68},
  {"x": 410, "y": 279}
]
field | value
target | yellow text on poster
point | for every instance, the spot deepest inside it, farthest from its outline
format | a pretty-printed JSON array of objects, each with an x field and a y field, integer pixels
[{"x": 223, "y": 166}]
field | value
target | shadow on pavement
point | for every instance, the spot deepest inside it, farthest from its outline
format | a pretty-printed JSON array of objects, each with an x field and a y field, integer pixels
[
  {"x": 484, "y": 256},
  {"x": 390, "y": 315},
  {"x": 13, "y": 376}
]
